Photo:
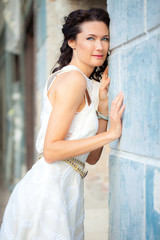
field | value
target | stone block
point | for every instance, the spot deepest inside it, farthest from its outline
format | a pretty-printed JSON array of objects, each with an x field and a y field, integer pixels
[
  {"x": 152, "y": 203},
  {"x": 117, "y": 10},
  {"x": 135, "y": 18},
  {"x": 153, "y": 13},
  {"x": 140, "y": 80},
  {"x": 126, "y": 199},
  {"x": 127, "y": 20}
]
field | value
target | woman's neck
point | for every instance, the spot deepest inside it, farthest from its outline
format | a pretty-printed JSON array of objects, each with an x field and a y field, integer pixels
[{"x": 86, "y": 69}]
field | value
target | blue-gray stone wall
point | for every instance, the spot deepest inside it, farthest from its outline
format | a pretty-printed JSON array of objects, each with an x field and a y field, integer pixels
[{"x": 134, "y": 164}]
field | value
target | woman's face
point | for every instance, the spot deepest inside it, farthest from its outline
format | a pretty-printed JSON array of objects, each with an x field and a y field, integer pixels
[{"x": 91, "y": 45}]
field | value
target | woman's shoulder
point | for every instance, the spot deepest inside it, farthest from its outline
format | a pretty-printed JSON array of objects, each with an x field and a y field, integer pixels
[
  {"x": 67, "y": 83},
  {"x": 71, "y": 78}
]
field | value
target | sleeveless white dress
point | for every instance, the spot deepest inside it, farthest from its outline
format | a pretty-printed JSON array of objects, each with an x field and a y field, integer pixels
[{"x": 47, "y": 204}]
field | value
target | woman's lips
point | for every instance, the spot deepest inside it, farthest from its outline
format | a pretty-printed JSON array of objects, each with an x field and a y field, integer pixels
[{"x": 98, "y": 56}]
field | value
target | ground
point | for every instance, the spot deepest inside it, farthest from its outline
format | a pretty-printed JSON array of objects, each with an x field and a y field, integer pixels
[{"x": 96, "y": 199}]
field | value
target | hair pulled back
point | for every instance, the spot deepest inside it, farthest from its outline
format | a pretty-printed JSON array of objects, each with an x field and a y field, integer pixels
[{"x": 71, "y": 28}]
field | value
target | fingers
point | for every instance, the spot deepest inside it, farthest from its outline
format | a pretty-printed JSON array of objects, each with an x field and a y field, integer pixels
[
  {"x": 105, "y": 83},
  {"x": 117, "y": 98},
  {"x": 121, "y": 110},
  {"x": 116, "y": 111},
  {"x": 120, "y": 100},
  {"x": 117, "y": 104},
  {"x": 106, "y": 71}
]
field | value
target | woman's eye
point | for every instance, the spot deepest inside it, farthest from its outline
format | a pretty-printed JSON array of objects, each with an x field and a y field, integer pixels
[
  {"x": 90, "y": 38},
  {"x": 105, "y": 39}
]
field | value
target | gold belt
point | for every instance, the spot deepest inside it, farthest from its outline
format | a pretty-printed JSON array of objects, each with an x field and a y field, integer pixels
[{"x": 75, "y": 163}]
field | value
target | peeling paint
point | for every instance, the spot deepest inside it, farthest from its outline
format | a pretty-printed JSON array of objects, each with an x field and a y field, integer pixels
[{"x": 156, "y": 193}]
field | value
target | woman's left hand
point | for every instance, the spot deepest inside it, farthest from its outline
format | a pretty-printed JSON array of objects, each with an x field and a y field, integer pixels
[{"x": 103, "y": 90}]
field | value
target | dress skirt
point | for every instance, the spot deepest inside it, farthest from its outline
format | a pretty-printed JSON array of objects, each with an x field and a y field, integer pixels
[{"x": 47, "y": 204}]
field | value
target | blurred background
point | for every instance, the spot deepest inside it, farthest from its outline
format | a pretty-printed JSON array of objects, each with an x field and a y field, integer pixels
[{"x": 30, "y": 39}]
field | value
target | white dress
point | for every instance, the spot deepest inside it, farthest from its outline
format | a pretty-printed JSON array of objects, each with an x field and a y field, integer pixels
[{"x": 47, "y": 204}]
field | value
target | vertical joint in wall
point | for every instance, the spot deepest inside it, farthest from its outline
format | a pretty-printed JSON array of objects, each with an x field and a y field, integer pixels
[
  {"x": 144, "y": 189},
  {"x": 145, "y": 16},
  {"x": 119, "y": 70}
]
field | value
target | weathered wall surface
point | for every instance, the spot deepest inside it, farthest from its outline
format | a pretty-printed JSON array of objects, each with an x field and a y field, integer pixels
[{"x": 134, "y": 165}]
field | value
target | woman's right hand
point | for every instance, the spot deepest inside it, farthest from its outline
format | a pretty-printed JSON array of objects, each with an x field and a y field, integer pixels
[{"x": 116, "y": 111}]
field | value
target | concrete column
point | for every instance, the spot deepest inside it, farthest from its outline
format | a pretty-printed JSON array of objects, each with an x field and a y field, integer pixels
[
  {"x": 41, "y": 36},
  {"x": 134, "y": 164}
]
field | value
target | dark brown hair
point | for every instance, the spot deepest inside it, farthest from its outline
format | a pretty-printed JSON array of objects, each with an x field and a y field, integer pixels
[{"x": 71, "y": 28}]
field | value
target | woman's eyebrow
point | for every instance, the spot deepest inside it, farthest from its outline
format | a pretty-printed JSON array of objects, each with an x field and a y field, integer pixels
[{"x": 91, "y": 34}]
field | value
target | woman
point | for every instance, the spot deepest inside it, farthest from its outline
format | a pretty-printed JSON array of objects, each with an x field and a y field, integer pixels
[{"x": 48, "y": 202}]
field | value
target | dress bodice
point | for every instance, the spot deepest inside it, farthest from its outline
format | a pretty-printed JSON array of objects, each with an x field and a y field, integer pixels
[
  {"x": 48, "y": 202},
  {"x": 84, "y": 123}
]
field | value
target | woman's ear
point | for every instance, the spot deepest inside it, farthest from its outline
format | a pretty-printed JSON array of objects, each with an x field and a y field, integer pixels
[{"x": 72, "y": 43}]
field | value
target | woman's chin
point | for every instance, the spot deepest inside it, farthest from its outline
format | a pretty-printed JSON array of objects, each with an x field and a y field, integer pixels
[{"x": 98, "y": 64}]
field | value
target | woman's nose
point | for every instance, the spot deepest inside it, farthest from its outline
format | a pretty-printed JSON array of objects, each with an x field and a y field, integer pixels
[{"x": 99, "y": 45}]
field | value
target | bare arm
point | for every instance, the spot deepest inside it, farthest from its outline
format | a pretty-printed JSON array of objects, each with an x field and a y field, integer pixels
[
  {"x": 68, "y": 98},
  {"x": 95, "y": 155},
  {"x": 116, "y": 112},
  {"x": 102, "y": 108}
]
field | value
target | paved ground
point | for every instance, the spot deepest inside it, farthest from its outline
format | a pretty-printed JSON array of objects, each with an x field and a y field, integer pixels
[{"x": 96, "y": 199}]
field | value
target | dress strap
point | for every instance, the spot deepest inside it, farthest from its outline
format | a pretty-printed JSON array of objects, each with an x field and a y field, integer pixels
[
  {"x": 89, "y": 81},
  {"x": 68, "y": 68},
  {"x": 52, "y": 77},
  {"x": 86, "y": 101}
]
